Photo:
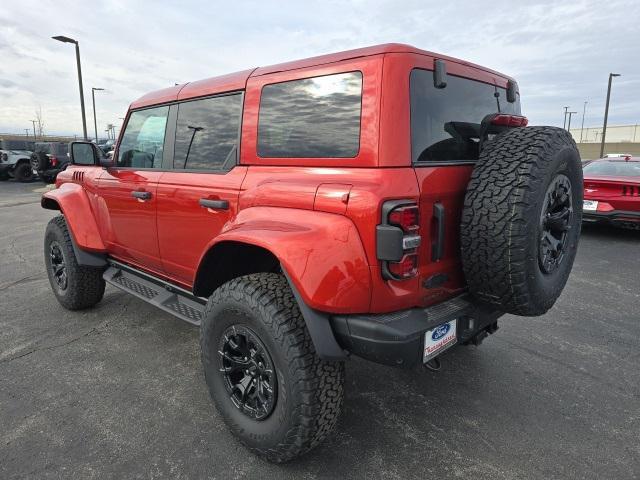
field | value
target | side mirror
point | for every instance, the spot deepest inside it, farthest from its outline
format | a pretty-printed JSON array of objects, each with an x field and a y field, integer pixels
[{"x": 87, "y": 153}]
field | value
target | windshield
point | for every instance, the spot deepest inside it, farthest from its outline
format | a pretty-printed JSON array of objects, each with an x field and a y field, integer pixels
[
  {"x": 445, "y": 122},
  {"x": 613, "y": 169}
]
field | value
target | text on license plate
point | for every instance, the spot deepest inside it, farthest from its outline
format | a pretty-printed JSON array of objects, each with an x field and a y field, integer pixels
[
  {"x": 590, "y": 205},
  {"x": 439, "y": 339}
]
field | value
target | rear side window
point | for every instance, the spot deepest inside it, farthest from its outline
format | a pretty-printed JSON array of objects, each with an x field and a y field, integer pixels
[
  {"x": 311, "y": 118},
  {"x": 143, "y": 140},
  {"x": 445, "y": 122},
  {"x": 207, "y": 133}
]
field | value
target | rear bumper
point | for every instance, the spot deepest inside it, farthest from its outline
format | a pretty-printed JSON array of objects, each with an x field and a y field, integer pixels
[
  {"x": 397, "y": 338},
  {"x": 615, "y": 217}
]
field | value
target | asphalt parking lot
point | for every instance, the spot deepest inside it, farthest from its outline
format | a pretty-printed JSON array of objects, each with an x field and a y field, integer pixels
[{"x": 118, "y": 392}]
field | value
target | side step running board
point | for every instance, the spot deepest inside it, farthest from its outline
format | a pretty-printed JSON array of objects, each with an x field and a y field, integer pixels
[{"x": 163, "y": 295}]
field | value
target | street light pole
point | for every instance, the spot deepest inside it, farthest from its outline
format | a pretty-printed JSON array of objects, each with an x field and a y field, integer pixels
[
  {"x": 564, "y": 125},
  {"x": 606, "y": 113},
  {"x": 584, "y": 109},
  {"x": 64, "y": 39},
  {"x": 95, "y": 122},
  {"x": 569, "y": 125}
]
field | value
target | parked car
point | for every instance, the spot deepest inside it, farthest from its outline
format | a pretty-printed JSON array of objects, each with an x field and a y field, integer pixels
[
  {"x": 612, "y": 192},
  {"x": 15, "y": 164},
  {"x": 49, "y": 159},
  {"x": 305, "y": 212},
  {"x": 107, "y": 146},
  {"x": 616, "y": 155}
]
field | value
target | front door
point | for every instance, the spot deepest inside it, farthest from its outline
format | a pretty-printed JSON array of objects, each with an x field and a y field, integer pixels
[
  {"x": 128, "y": 190},
  {"x": 198, "y": 194}
]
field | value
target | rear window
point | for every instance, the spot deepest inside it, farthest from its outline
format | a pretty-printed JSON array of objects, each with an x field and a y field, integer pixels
[
  {"x": 311, "y": 118},
  {"x": 445, "y": 122},
  {"x": 614, "y": 169}
]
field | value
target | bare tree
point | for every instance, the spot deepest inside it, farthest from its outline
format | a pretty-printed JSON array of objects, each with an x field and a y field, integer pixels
[{"x": 39, "y": 122}]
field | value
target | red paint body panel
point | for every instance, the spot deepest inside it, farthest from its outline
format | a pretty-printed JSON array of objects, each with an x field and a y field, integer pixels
[
  {"x": 128, "y": 224},
  {"x": 318, "y": 216},
  {"x": 622, "y": 193},
  {"x": 185, "y": 228},
  {"x": 321, "y": 252}
]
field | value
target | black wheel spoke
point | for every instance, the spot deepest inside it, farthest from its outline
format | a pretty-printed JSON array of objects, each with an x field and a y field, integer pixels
[
  {"x": 247, "y": 370},
  {"x": 555, "y": 223}
]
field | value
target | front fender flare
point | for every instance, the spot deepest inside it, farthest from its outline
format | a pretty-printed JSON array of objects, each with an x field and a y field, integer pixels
[
  {"x": 321, "y": 252},
  {"x": 71, "y": 199}
]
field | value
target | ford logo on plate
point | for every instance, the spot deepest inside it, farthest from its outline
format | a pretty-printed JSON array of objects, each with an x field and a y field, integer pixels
[{"x": 440, "y": 332}]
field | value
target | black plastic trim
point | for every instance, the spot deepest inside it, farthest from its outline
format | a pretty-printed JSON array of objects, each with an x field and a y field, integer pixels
[
  {"x": 439, "y": 73},
  {"x": 319, "y": 326}
]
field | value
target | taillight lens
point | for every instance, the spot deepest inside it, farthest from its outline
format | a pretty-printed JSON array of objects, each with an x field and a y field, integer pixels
[
  {"x": 504, "y": 120},
  {"x": 398, "y": 239},
  {"x": 405, "y": 268},
  {"x": 406, "y": 217},
  {"x": 605, "y": 207},
  {"x": 54, "y": 160}
]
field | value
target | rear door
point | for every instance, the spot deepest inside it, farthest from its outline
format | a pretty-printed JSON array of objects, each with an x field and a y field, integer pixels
[
  {"x": 128, "y": 190},
  {"x": 198, "y": 193},
  {"x": 444, "y": 146}
]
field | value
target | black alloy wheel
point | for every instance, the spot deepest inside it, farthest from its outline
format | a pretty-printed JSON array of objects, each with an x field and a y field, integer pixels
[
  {"x": 248, "y": 372},
  {"x": 555, "y": 222},
  {"x": 58, "y": 265}
]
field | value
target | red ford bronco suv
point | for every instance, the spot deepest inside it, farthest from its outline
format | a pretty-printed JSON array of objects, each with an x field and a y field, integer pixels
[{"x": 385, "y": 202}]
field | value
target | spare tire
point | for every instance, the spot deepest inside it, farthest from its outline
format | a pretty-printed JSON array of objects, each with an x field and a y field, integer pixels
[{"x": 521, "y": 219}]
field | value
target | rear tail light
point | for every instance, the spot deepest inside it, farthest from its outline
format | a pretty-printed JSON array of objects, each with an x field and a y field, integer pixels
[
  {"x": 504, "y": 120},
  {"x": 405, "y": 268},
  {"x": 54, "y": 160},
  {"x": 398, "y": 239},
  {"x": 406, "y": 217},
  {"x": 604, "y": 207}
]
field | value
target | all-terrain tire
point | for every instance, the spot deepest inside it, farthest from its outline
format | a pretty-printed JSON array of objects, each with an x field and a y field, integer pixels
[
  {"x": 309, "y": 390},
  {"x": 23, "y": 172},
  {"x": 505, "y": 224},
  {"x": 83, "y": 286}
]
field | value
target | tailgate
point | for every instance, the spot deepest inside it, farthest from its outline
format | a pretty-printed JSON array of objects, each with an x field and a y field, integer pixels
[{"x": 442, "y": 191}]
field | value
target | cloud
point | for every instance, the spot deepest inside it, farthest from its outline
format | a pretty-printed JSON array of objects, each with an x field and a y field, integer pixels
[{"x": 560, "y": 52}]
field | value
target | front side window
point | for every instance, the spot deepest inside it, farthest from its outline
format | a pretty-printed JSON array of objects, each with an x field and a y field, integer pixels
[
  {"x": 311, "y": 118},
  {"x": 445, "y": 122},
  {"x": 207, "y": 133},
  {"x": 143, "y": 140}
]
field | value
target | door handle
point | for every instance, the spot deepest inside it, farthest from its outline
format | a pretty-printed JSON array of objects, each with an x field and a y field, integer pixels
[
  {"x": 437, "y": 244},
  {"x": 215, "y": 204},
  {"x": 141, "y": 195}
]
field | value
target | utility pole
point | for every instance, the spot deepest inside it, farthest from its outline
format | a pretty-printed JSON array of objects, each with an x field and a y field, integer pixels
[
  {"x": 606, "y": 113},
  {"x": 569, "y": 125},
  {"x": 584, "y": 109},
  {"x": 564, "y": 125},
  {"x": 35, "y": 139}
]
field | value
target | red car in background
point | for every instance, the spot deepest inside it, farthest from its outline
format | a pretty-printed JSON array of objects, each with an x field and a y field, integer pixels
[{"x": 612, "y": 191}]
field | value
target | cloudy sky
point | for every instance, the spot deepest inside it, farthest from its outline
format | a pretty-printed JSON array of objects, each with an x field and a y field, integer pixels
[{"x": 560, "y": 52}]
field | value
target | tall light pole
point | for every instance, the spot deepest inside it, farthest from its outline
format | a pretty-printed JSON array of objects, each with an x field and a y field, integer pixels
[
  {"x": 64, "y": 39},
  {"x": 564, "y": 125},
  {"x": 569, "y": 124},
  {"x": 606, "y": 113},
  {"x": 35, "y": 139},
  {"x": 584, "y": 109},
  {"x": 95, "y": 122}
]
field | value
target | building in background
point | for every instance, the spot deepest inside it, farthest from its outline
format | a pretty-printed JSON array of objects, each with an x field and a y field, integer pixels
[{"x": 619, "y": 139}]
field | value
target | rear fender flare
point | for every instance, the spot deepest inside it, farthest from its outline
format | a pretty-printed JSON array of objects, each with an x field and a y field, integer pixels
[{"x": 321, "y": 252}]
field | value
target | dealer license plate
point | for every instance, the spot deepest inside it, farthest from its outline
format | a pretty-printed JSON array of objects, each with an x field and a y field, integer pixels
[
  {"x": 590, "y": 205},
  {"x": 438, "y": 339}
]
